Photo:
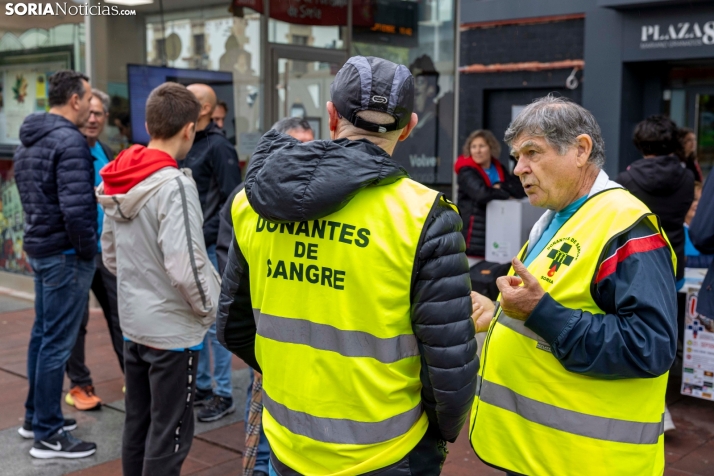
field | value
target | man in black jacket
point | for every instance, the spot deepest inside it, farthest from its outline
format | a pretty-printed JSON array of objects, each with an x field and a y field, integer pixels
[
  {"x": 214, "y": 165},
  {"x": 660, "y": 181},
  {"x": 55, "y": 178},
  {"x": 292, "y": 182}
]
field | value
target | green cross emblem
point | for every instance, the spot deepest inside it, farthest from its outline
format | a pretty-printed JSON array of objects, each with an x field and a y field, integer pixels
[{"x": 559, "y": 257}]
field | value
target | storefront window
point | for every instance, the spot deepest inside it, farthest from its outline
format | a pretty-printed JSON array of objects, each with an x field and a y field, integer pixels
[
  {"x": 688, "y": 99},
  {"x": 420, "y": 35},
  {"x": 27, "y": 59},
  {"x": 29, "y": 54},
  {"x": 216, "y": 41},
  {"x": 305, "y": 35},
  {"x": 304, "y": 89}
]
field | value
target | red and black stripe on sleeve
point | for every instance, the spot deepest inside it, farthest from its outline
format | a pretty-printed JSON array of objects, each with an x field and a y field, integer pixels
[{"x": 633, "y": 245}]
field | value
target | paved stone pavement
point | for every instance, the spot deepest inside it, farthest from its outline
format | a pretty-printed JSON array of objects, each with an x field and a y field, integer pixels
[{"x": 217, "y": 448}]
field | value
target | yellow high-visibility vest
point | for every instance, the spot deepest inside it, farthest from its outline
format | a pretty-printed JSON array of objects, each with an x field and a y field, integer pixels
[
  {"x": 531, "y": 415},
  {"x": 331, "y": 299}
]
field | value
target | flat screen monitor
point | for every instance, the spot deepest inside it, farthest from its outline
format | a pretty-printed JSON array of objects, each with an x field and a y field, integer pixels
[{"x": 143, "y": 79}]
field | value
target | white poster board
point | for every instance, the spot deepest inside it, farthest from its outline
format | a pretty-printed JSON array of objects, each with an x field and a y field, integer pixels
[
  {"x": 508, "y": 224},
  {"x": 23, "y": 90},
  {"x": 698, "y": 358}
]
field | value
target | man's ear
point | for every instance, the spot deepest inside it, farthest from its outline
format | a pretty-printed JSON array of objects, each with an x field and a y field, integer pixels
[
  {"x": 584, "y": 143},
  {"x": 189, "y": 130},
  {"x": 410, "y": 127},
  {"x": 333, "y": 117},
  {"x": 74, "y": 101},
  {"x": 146, "y": 126}
]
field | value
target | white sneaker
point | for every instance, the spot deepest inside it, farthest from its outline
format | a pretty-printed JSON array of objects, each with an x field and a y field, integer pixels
[
  {"x": 668, "y": 423},
  {"x": 62, "y": 445}
]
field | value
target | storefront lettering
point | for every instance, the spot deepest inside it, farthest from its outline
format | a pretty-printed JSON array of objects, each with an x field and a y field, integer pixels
[
  {"x": 422, "y": 160},
  {"x": 684, "y": 34},
  {"x": 392, "y": 29},
  {"x": 309, "y": 12}
]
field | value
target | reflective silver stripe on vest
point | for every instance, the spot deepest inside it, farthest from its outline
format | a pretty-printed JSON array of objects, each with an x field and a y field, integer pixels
[
  {"x": 608, "y": 429},
  {"x": 517, "y": 326},
  {"x": 340, "y": 430},
  {"x": 325, "y": 337},
  {"x": 520, "y": 327}
]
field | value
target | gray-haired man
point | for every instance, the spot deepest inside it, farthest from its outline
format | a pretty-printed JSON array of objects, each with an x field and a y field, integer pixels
[
  {"x": 574, "y": 371},
  {"x": 104, "y": 283},
  {"x": 296, "y": 127}
]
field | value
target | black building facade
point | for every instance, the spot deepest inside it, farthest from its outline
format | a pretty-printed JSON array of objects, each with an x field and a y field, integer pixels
[{"x": 621, "y": 59}]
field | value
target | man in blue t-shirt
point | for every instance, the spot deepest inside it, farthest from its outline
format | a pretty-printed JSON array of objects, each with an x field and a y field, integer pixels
[{"x": 104, "y": 283}]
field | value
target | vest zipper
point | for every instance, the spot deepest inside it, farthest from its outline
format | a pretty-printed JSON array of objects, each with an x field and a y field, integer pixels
[{"x": 485, "y": 360}]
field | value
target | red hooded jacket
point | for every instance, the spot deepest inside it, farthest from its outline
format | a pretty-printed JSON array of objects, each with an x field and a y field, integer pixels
[
  {"x": 132, "y": 166},
  {"x": 463, "y": 161}
]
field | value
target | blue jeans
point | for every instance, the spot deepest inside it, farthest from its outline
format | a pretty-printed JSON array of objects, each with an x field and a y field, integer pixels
[
  {"x": 62, "y": 285},
  {"x": 221, "y": 356},
  {"x": 262, "y": 460}
]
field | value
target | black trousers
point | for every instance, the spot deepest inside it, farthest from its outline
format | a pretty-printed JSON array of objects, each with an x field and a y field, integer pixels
[
  {"x": 158, "y": 426},
  {"x": 104, "y": 285}
]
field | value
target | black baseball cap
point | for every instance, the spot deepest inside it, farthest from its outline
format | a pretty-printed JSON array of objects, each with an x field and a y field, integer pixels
[{"x": 374, "y": 84}]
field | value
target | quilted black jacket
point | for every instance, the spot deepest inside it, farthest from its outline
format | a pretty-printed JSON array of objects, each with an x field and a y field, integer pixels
[
  {"x": 282, "y": 168},
  {"x": 54, "y": 171}
]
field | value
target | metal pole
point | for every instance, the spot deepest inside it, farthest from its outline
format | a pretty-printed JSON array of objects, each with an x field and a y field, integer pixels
[
  {"x": 435, "y": 20},
  {"x": 88, "y": 49},
  {"x": 266, "y": 75},
  {"x": 163, "y": 33},
  {"x": 457, "y": 82}
]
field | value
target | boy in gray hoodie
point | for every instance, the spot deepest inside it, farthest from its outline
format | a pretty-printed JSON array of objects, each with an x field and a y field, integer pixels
[{"x": 167, "y": 288}]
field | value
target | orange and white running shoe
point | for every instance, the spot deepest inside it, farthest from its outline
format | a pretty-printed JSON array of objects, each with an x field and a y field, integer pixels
[{"x": 83, "y": 398}]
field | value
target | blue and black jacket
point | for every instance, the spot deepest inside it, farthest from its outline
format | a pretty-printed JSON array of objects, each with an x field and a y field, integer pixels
[{"x": 636, "y": 336}]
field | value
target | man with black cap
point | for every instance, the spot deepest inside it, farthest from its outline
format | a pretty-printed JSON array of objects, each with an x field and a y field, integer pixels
[{"x": 347, "y": 287}]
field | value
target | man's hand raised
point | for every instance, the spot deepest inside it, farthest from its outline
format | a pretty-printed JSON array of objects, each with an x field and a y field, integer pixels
[{"x": 519, "y": 301}]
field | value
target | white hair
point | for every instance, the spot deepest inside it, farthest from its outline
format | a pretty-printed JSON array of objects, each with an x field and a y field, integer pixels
[{"x": 559, "y": 121}]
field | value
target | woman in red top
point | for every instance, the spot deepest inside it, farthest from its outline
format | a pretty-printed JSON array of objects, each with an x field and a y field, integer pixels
[{"x": 481, "y": 178}]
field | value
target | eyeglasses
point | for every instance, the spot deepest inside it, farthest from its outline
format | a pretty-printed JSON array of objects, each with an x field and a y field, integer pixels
[{"x": 98, "y": 114}]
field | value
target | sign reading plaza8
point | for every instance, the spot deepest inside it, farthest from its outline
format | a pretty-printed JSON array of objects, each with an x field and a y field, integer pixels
[
  {"x": 314, "y": 12},
  {"x": 680, "y": 34},
  {"x": 668, "y": 34}
]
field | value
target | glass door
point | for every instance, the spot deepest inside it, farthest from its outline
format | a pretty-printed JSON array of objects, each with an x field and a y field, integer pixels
[{"x": 299, "y": 81}]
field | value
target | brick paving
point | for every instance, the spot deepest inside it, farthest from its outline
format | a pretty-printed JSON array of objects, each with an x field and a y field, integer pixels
[{"x": 689, "y": 450}]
